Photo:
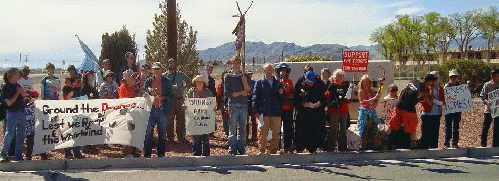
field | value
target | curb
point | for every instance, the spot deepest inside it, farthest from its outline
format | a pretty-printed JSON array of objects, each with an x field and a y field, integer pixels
[{"x": 230, "y": 160}]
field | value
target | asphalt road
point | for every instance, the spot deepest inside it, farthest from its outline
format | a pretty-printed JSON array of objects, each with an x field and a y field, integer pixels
[{"x": 462, "y": 168}]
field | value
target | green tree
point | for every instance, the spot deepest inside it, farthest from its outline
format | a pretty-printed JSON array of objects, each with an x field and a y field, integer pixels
[
  {"x": 477, "y": 72},
  {"x": 156, "y": 46},
  {"x": 446, "y": 34},
  {"x": 115, "y": 46},
  {"x": 430, "y": 30},
  {"x": 487, "y": 22},
  {"x": 466, "y": 30}
]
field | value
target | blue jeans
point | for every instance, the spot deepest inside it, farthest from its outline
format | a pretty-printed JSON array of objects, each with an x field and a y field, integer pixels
[
  {"x": 201, "y": 145},
  {"x": 15, "y": 128},
  {"x": 362, "y": 120},
  {"x": 158, "y": 117},
  {"x": 238, "y": 116}
]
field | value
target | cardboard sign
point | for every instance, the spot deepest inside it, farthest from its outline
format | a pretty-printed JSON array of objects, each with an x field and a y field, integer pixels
[
  {"x": 70, "y": 123},
  {"x": 355, "y": 61},
  {"x": 200, "y": 115},
  {"x": 385, "y": 108},
  {"x": 494, "y": 102},
  {"x": 457, "y": 99}
]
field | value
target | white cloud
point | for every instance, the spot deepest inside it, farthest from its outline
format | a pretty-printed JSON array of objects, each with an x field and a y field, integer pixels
[{"x": 410, "y": 10}]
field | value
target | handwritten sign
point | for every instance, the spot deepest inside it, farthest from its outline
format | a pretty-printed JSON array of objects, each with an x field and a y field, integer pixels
[
  {"x": 494, "y": 102},
  {"x": 70, "y": 123},
  {"x": 457, "y": 99},
  {"x": 385, "y": 108},
  {"x": 200, "y": 115},
  {"x": 355, "y": 61}
]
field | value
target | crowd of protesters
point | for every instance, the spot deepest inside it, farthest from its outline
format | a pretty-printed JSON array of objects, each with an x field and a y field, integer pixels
[{"x": 313, "y": 112}]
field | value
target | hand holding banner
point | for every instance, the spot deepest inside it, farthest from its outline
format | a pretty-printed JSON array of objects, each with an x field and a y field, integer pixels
[{"x": 457, "y": 99}]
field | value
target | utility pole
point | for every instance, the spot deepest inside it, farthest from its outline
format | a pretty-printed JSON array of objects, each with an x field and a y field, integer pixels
[
  {"x": 171, "y": 28},
  {"x": 26, "y": 59}
]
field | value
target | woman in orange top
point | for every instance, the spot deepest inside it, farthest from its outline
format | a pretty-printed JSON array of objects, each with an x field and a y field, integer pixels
[{"x": 127, "y": 88}]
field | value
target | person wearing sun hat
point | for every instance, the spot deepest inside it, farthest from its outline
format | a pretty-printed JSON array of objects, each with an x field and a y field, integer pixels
[
  {"x": 488, "y": 87},
  {"x": 201, "y": 144},
  {"x": 160, "y": 88},
  {"x": 309, "y": 101},
  {"x": 452, "y": 119},
  {"x": 108, "y": 89}
]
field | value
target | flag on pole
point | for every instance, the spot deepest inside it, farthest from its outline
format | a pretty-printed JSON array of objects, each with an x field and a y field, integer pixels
[
  {"x": 90, "y": 62},
  {"x": 239, "y": 32}
]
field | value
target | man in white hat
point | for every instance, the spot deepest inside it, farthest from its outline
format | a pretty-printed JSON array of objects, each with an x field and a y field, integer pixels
[
  {"x": 161, "y": 89},
  {"x": 452, "y": 130}
]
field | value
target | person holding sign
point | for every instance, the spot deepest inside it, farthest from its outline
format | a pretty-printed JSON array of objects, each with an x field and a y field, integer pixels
[
  {"x": 161, "y": 89},
  {"x": 338, "y": 101},
  {"x": 433, "y": 98},
  {"x": 489, "y": 87},
  {"x": 268, "y": 98},
  {"x": 368, "y": 119},
  {"x": 452, "y": 130},
  {"x": 201, "y": 144}
]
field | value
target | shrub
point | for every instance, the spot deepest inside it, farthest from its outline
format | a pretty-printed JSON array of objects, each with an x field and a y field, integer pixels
[{"x": 475, "y": 71}]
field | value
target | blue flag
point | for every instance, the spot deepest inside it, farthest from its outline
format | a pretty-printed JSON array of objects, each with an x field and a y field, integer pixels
[{"x": 90, "y": 62}]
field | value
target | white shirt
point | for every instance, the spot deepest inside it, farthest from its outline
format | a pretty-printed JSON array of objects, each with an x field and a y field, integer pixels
[{"x": 26, "y": 83}]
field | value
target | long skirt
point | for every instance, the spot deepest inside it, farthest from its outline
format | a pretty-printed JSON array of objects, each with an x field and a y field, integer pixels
[{"x": 310, "y": 129}]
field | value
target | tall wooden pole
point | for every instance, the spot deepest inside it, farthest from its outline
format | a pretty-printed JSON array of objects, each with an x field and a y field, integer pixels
[{"x": 171, "y": 28}]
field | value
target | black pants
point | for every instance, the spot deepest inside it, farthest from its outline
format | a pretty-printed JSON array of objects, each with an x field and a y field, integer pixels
[
  {"x": 485, "y": 130},
  {"x": 289, "y": 128},
  {"x": 452, "y": 121},
  {"x": 430, "y": 128}
]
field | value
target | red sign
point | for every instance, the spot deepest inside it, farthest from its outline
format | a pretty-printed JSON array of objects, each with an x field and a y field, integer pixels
[{"x": 355, "y": 61}]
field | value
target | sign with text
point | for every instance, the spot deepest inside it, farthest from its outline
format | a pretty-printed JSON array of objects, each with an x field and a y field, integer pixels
[
  {"x": 457, "y": 99},
  {"x": 493, "y": 98},
  {"x": 70, "y": 123},
  {"x": 200, "y": 115},
  {"x": 355, "y": 61},
  {"x": 385, "y": 108}
]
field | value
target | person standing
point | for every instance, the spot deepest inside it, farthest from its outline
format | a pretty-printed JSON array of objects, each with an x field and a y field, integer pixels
[
  {"x": 73, "y": 152},
  {"x": 74, "y": 81},
  {"x": 87, "y": 87},
  {"x": 27, "y": 84},
  {"x": 177, "y": 115},
  {"x": 15, "y": 121},
  {"x": 127, "y": 88},
  {"x": 325, "y": 77},
  {"x": 130, "y": 64},
  {"x": 251, "y": 112},
  {"x": 222, "y": 104},
  {"x": 309, "y": 100},
  {"x": 108, "y": 89},
  {"x": 288, "y": 122},
  {"x": 488, "y": 87},
  {"x": 142, "y": 77},
  {"x": 452, "y": 120},
  {"x": 211, "y": 81},
  {"x": 161, "y": 89},
  {"x": 433, "y": 98},
  {"x": 338, "y": 101},
  {"x": 201, "y": 144},
  {"x": 101, "y": 77},
  {"x": 268, "y": 98},
  {"x": 51, "y": 85},
  {"x": 236, "y": 91},
  {"x": 368, "y": 119}
]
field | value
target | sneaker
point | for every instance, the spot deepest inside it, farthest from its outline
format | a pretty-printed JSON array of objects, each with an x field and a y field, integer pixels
[
  {"x": 446, "y": 145},
  {"x": 455, "y": 146}
]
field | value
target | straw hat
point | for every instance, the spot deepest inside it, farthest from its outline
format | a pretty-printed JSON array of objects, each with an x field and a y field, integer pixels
[
  {"x": 199, "y": 78},
  {"x": 127, "y": 74},
  {"x": 453, "y": 73}
]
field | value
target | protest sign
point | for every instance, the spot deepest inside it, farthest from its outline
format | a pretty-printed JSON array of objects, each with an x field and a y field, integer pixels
[
  {"x": 355, "y": 61},
  {"x": 200, "y": 115},
  {"x": 385, "y": 108},
  {"x": 70, "y": 123},
  {"x": 457, "y": 99},
  {"x": 493, "y": 98}
]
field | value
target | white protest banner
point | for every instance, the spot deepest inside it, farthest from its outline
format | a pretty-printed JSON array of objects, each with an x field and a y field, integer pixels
[
  {"x": 457, "y": 99},
  {"x": 385, "y": 108},
  {"x": 70, "y": 123},
  {"x": 200, "y": 115},
  {"x": 493, "y": 98}
]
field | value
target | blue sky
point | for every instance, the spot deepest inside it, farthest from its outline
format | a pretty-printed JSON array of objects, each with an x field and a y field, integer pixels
[{"x": 45, "y": 29}]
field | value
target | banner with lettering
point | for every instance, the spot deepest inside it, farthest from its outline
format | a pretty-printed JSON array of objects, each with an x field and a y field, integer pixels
[
  {"x": 385, "y": 108},
  {"x": 355, "y": 61},
  {"x": 200, "y": 115},
  {"x": 70, "y": 123},
  {"x": 493, "y": 98},
  {"x": 457, "y": 99}
]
